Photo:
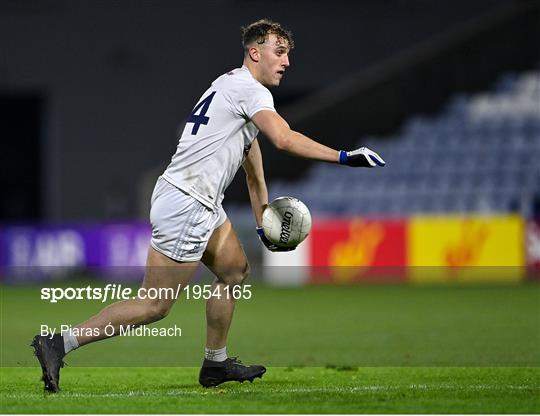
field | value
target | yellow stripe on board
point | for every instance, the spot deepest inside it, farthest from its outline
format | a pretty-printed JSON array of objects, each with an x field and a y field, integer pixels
[{"x": 466, "y": 248}]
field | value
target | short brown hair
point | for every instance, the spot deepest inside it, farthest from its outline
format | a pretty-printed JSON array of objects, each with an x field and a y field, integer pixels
[{"x": 258, "y": 31}]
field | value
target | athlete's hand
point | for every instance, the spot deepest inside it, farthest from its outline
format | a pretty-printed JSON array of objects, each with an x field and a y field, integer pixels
[
  {"x": 362, "y": 157},
  {"x": 268, "y": 244}
]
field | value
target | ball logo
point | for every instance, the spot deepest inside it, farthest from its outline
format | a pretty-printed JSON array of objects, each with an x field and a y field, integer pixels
[{"x": 286, "y": 227}]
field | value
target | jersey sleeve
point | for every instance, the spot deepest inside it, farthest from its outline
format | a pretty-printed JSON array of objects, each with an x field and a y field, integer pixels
[{"x": 253, "y": 100}]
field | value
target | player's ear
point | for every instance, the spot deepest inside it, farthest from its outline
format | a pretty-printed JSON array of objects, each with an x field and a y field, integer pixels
[{"x": 254, "y": 54}]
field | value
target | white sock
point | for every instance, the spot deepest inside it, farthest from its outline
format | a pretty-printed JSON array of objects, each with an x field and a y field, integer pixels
[
  {"x": 70, "y": 341},
  {"x": 215, "y": 355}
]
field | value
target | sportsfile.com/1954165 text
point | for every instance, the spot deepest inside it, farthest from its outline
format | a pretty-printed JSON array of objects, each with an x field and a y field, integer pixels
[{"x": 113, "y": 292}]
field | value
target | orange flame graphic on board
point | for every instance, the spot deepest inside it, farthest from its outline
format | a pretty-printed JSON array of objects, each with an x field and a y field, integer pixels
[
  {"x": 466, "y": 251},
  {"x": 358, "y": 250}
]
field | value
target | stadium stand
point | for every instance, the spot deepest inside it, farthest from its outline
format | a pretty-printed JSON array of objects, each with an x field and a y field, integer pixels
[{"x": 481, "y": 154}]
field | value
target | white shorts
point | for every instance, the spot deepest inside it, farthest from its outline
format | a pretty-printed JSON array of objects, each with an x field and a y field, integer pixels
[{"x": 181, "y": 225}]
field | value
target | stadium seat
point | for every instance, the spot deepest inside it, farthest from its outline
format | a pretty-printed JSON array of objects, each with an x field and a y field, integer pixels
[{"x": 479, "y": 155}]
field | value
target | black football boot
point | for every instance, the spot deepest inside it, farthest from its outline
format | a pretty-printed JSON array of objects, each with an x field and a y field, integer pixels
[
  {"x": 213, "y": 373},
  {"x": 50, "y": 353}
]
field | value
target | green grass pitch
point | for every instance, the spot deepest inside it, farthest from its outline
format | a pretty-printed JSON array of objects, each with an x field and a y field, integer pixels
[
  {"x": 329, "y": 349},
  {"x": 282, "y": 390}
]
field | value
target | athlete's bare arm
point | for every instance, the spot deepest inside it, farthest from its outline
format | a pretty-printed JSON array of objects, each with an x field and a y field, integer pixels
[
  {"x": 258, "y": 193},
  {"x": 285, "y": 139}
]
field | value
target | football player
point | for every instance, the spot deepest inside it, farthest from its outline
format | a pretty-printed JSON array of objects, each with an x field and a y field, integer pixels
[{"x": 189, "y": 224}]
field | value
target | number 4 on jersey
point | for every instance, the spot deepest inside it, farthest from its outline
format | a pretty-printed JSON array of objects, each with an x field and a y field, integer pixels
[{"x": 198, "y": 119}]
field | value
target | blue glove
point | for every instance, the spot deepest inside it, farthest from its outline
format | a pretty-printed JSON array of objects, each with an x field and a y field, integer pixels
[
  {"x": 362, "y": 157},
  {"x": 268, "y": 244}
]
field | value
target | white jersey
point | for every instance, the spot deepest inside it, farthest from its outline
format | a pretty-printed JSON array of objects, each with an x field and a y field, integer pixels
[{"x": 217, "y": 136}]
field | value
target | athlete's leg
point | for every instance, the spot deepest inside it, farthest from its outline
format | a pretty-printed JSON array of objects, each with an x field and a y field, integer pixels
[
  {"x": 225, "y": 257},
  {"x": 178, "y": 229},
  {"x": 160, "y": 272}
]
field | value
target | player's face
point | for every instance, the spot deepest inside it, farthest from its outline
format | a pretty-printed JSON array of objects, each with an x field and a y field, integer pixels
[{"x": 274, "y": 60}]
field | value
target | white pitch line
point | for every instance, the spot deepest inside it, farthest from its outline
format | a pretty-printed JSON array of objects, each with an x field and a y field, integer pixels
[{"x": 423, "y": 387}]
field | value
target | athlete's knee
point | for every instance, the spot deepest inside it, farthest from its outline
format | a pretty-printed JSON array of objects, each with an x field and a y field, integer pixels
[
  {"x": 243, "y": 274},
  {"x": 157, "y": 309},
  {"x": 236, "y": 276}
]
